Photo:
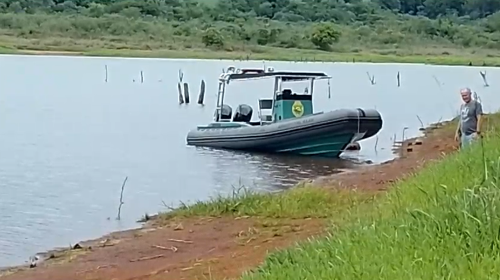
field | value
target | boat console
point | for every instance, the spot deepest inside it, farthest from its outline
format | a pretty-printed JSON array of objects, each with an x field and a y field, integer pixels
[
  {"x": 292, "y": 105},
  {"x": 265, "y": 110}
]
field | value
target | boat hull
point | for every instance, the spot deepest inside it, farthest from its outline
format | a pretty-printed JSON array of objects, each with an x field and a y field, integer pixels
[{"x": 323, "y": 134}]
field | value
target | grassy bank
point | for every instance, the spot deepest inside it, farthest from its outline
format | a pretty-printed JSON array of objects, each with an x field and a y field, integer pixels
[
  {"x": 391, "y": 38},
  {"x": 300, "y": 202},
  {"x": 88, "y": 48},
  {"x": 442, "y": 223}
]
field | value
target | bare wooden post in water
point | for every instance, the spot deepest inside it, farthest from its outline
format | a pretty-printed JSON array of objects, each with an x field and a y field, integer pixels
[
  {"x": 186, "y": 93},
  {"x": 118, "y": 217},
  {"x": 106, "y": 73},
  {"x": 329, "y": 90},
  {"x": 201, "y": 96},
  {"x": 179, "y": 87},
  {"x": 142, "y": 77},
  {"x": 181, "y": 97},
  {"x": 399, "y": 79}
]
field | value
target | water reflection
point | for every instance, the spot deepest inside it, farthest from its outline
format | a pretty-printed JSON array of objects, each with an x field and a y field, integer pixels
[{"x": 271, "y": 172}]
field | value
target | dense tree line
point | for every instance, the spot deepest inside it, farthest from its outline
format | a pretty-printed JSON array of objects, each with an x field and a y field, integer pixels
[
  {"x": 233, "y": 24},
  {"x": 289, "y": 10}
]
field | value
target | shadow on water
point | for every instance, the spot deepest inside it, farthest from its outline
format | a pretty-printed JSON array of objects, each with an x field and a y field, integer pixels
[{"x": 276, "y": 171}]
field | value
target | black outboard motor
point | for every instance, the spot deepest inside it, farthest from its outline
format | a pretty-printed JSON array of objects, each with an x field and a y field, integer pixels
[
  {"x": 226, "y": 113},
  {"x": 243, "y": 113}
]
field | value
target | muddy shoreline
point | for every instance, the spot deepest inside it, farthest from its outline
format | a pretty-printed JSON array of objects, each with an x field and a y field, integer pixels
[{"x": 410, "y": 155}]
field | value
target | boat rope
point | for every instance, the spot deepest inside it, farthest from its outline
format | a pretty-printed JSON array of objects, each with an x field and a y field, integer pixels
[{"x": 358, "y": 130}]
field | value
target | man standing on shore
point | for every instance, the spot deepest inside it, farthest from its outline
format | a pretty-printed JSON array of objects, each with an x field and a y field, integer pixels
[{"x": 470, "y": 119}]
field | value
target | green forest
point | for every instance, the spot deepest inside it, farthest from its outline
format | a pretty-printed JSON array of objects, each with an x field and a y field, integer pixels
[{"x": 276, "y": 28}]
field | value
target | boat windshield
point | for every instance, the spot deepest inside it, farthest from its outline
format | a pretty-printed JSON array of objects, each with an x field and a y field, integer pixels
[{"x": 281, "y": 79}]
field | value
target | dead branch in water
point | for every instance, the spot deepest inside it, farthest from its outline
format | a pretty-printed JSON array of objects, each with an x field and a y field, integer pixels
[
  {"x": 371, "y": 78},
  {"x": 437, "y": 81},
  {"x": 483, "y": 75},
  {"x": 421, "y": 122},
  {"x": 168, "y": 207},
  {"x": 121, "y": 199}
]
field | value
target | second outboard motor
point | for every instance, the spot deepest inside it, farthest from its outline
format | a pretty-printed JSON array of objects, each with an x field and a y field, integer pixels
[{"x": 243, "y": 113}]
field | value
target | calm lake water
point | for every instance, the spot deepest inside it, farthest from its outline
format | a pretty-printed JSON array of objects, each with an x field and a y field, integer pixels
[{"x": 68, "y": 139}]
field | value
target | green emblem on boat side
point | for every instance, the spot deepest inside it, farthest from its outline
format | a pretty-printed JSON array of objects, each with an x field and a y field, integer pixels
[{"x": 297, "y": 109}]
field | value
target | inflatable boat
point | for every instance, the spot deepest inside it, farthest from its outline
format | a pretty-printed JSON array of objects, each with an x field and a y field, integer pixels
[{"x": 287, "y": 123}]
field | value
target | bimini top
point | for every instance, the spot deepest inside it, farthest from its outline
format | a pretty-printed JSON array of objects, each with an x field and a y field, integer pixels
[{"x": 245, "y": 74}]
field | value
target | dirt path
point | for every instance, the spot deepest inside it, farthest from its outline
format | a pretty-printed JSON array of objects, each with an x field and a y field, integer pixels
[{"x": 221, "y": 248}]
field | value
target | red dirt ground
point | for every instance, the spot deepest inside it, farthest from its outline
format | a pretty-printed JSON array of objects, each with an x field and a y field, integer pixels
[{"x": 221, "y": 248}]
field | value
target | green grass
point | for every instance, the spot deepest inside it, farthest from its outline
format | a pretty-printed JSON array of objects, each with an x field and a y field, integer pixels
[
  {"x": 392, "y": 38},
  {"x": 303, "y": 201},
  {"x": 442, "y": 223},
  {"x": 276, "y": 54},
  {"x": 110, "y": 48}
]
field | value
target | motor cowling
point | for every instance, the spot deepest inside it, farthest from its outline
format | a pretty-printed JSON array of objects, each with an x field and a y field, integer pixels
[
  {"x": 243, "y": 113},
  {"x": 226, "y": 113}
]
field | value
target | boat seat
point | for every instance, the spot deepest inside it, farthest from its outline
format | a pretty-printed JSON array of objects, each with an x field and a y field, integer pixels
[
  {"x": 287, "y": 94},
  {"x": 265, "y": 110}
]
